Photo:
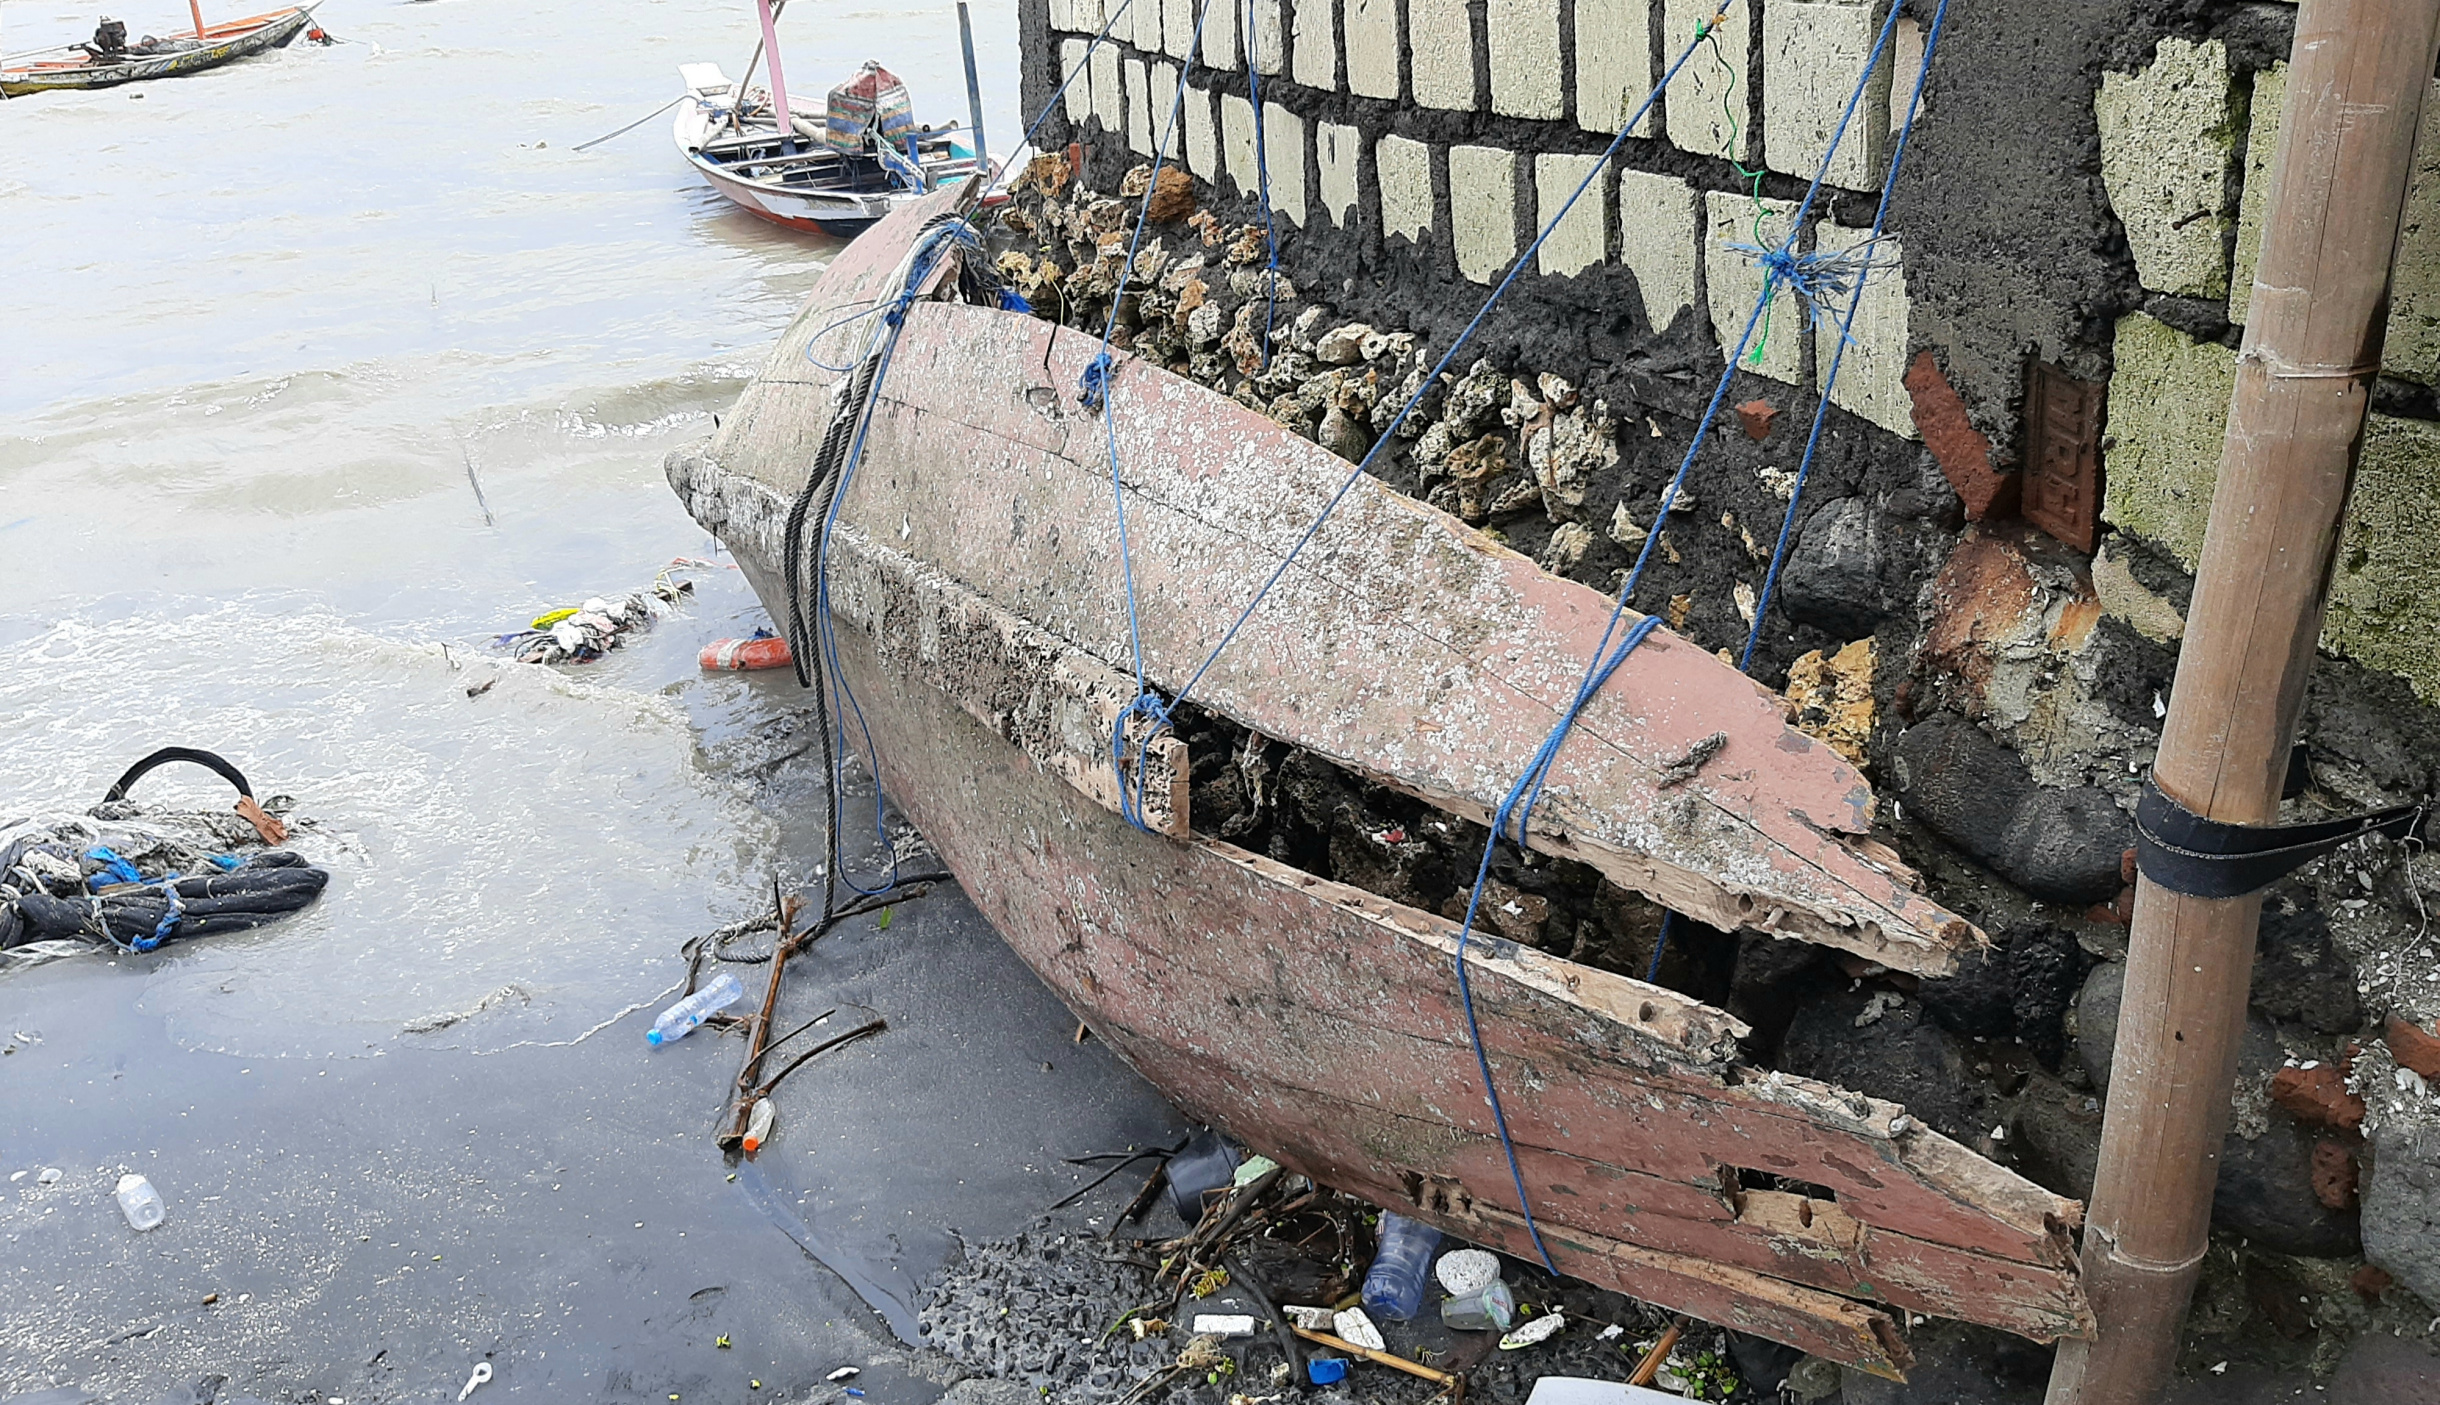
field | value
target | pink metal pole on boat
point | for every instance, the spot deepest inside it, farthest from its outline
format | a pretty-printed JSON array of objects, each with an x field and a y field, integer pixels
[{"x": 779, "y": 81}]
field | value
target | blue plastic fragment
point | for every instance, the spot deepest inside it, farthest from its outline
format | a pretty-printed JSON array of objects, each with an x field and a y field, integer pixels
[
  {"x": 1013, "y": 301},
  {"x": 1326, "y": 1370},
  {"x": 227, "y": 863},
  {"x": 851, "y": 1390},
  {"x": 114, "y": 869}
]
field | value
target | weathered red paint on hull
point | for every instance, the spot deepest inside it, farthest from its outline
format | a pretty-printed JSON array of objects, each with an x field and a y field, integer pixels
[
  {"x": 1266, "y": 1004},
  {"x": 1317, "y": 1022}
]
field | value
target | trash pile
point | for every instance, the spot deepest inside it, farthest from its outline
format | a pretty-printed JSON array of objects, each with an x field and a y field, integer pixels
[
  {"x": 583, "y": 633},
  {"x": 132, "y": 877},
  {"x": 1277, "y": 1287}
]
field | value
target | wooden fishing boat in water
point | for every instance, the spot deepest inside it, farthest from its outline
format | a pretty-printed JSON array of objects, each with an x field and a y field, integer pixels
[
  {"x": 829, "y": 172},
  {"x": 101, "y": 64},
  {"x": 973, "y": 585}
]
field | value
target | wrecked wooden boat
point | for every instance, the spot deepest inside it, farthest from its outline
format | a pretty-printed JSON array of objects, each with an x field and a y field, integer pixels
[
  {"x": 109, "y": 61},
  {"x": 973, "y": 577}
]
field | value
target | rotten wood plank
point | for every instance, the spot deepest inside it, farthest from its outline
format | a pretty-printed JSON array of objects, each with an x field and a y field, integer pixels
[
  {"x": 1339, "y": 661},
  {"x": 1402, "y": 645},
  {"x": 1034, "y": 691},
  {"x": 1258, "y": 1003}
]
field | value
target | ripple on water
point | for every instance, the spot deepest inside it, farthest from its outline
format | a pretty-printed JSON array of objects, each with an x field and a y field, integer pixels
[{"x": 554, "y": 839}]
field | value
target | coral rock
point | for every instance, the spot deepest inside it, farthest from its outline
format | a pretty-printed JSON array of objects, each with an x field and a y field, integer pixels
[
  {"x": 1342, "y": 346},
  {"x": 1833, "y": 698}
]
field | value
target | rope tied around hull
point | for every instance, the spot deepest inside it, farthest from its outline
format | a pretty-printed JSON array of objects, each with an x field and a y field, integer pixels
[{"x": 1816, "y": 278}]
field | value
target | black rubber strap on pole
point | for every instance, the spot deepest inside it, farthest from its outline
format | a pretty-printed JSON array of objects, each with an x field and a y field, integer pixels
[
  {"x": 2203, "y": 858},
  {"x": 167, "y": 754}
]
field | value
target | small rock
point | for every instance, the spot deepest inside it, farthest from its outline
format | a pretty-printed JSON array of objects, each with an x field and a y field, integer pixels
[
  {"x": 2300, "y": 977},
  {"x": 2061, "y": 844},
  {"x": 2401, "y": 1205},
  {"x": 2380, "y": 1369},
  {"x": 2369, "y": 1282},
  {"x": 2057, "y": 1136},
  {"x": 1567, "y": 547},
  {"x": 1901, "y": 1055},
  {"x": 1812, "y": 1379},
  {"x": 1832, "y": 697},
  {"x": 1567, "y": 454},
  {"x": 1623, "y": 529},
  {"x": 1833, "y": 579},
  {"x": 1343, "y": 434},
  {"x": 1048, "y": 173},
  {"x": 1173, "y": 197}
]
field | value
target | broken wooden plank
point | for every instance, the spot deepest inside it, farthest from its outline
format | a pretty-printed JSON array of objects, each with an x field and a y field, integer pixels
[
  {"x": 1050, "y": 700},
  {"x": 1402, "y": 645},
  {"x": 1248, "y": 991}
]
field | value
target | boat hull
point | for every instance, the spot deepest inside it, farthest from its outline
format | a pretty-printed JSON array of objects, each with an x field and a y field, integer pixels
[
  {"x": 1316, "y": 1022},
  {"x": 840, "y": 214},
  {"x": 224, "y": 44}
]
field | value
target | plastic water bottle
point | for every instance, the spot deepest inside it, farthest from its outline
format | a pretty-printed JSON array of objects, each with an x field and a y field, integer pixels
[
  {"x": 679, "y": 1020},
  {"x": 758, "y": 1125},
  {"x": 140, "y": 1202},
  {"x": 1394, "y": 1287}
]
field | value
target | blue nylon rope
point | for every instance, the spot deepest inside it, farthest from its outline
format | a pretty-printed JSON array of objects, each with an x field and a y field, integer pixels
[
  {"x": 1811, "y": 277},
  {"x": 1516, "y": 810},
  {"x": 1519, "y": 803},
  {"x": 893, "y": 314},
  {"x": 1821, "y": 406},
  {"x": 1262, "y": 176},
  {"x": 1424, "y": 387},
  {"x": 1094, "y": 394}
]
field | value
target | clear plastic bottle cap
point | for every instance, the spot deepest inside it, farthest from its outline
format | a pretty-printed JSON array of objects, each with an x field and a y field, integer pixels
[{"x": 1464, "y": 1271}]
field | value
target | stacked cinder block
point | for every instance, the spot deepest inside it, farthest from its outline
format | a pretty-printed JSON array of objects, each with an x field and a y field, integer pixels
[
  {"x": 2177, "y": 136},
  {"x": 1355, "y": 132}
]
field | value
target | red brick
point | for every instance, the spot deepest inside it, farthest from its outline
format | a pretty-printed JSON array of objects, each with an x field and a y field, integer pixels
[
  {"x": 2413, "y": 1047},
  {"x": 1961, "y": 450},
  {"x": 2334, "y": 1174},
  {"x": 2318, "y": 1097},
  {"x": 1755, "y": 417}
]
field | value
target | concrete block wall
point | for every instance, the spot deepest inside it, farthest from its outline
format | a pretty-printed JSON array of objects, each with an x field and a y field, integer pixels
[
  {"x": 1458, "y": 129},
  {"x": 1433, "y": 139},
  {"x": 2187, "y": 146}
]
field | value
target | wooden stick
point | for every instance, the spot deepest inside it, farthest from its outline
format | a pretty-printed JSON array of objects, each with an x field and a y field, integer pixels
[
  {"x": 195, "y": 7},
  {"x": 1383, "y": 1358},
  {"x": 2312, "y": 347},
  {"x": 1650, "y": 1366},
  {"x": 759, "y": 1031}
]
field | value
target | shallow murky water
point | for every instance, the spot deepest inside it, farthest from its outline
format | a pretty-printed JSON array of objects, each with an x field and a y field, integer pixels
[{"x": 270, "y": 328}]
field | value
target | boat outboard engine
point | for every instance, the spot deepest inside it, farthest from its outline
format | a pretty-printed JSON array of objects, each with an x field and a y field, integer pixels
[{"x": 109, "y": 41}]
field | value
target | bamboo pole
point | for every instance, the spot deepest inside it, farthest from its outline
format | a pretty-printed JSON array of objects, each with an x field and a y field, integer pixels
[{"x": 2356, "y": 84}]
